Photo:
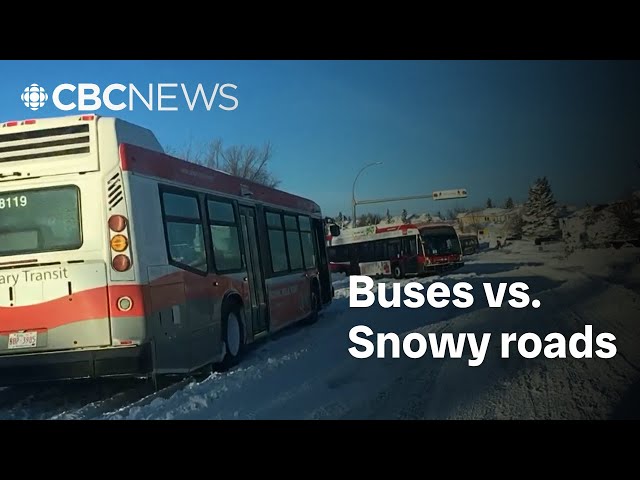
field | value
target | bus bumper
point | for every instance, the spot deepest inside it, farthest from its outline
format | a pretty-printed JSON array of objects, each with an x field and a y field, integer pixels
[{"x": 68, "y": 365}]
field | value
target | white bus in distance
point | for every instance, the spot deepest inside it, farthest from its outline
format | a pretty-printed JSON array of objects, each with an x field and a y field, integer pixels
[{"x": 396, "y": 250}]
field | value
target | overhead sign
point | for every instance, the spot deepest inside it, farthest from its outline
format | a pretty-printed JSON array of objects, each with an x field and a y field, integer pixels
[{"x": 448, "y": 194}]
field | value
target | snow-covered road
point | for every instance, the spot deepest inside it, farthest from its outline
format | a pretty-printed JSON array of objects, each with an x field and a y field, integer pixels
[{"x": 307, "y": 372}]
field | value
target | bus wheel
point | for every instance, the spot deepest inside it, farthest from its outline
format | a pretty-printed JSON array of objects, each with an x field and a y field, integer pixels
[
  {"x": 232, "y": 336},
  {"x": 398, "y": 271}
]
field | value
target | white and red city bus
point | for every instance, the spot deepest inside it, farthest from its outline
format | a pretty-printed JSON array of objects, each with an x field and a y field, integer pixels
[
  {"x": 395, "y": 250},
  {"x": 119, "y": 260}
]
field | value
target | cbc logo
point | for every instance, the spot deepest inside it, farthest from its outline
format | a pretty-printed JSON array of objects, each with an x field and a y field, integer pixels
[{"x": 34, "y": 97}]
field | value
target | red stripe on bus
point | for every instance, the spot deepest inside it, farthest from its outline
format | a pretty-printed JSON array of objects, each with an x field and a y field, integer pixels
[
  {"x": 147, "y": 162},
  {"x": 83, "y": 305},
  {"x": 101, "y": 302},
  {"x": 177, "y": 288}
]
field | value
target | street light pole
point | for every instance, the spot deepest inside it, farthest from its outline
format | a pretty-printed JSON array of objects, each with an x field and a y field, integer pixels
[{"x": 353, "y": 190}]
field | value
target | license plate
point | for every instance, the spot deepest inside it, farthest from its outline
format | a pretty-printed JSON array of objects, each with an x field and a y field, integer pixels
[{"x": 23, "y": 340}]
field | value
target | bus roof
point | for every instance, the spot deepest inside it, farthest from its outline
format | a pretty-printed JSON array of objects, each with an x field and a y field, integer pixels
[
  {"x": 377, "y": 232},
  {"x": 372, "y": 232},
  {"x": 31, "y": 144},
  {"x": 147, "y": 162}
]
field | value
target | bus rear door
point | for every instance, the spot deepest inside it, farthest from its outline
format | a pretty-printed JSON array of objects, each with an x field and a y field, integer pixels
[
  {"x": 323, "y": 261},
  {"x": 256, "y": 311}
]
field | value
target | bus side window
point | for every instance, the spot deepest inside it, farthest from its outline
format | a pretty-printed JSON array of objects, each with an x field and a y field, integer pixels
[
  {"x": 341, "y": 254},
  {"x": 394, "y": 249},
  {"x": 224, "y": 236},
  {"x": 294, "y": 245},
  {"x": 409, "y": 246},
  {"x": 185, "y": 240},
  {"x": 277, "y": 244},
  {"x": 306, "y": 237},
  {"x": 183, "y": 226},
  {"x": 368, "y": 253}
]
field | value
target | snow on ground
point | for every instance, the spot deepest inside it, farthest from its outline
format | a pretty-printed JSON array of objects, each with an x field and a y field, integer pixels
[{"x": 307, "y": 372}]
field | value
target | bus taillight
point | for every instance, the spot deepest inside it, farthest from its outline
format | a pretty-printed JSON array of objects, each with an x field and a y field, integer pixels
[
  {"x": 121, "y": 263},
  {"x": 117, "y": 223},
  {"x": 119, "y": 243}
]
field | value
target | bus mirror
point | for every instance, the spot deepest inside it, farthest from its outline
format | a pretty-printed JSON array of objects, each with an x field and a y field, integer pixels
[{"x": 335, "y": 230}]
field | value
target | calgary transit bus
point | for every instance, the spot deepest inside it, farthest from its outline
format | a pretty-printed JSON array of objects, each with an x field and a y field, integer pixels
[
  {"x": 396, "y": 250},
  {"x": 119, "y": 260}
]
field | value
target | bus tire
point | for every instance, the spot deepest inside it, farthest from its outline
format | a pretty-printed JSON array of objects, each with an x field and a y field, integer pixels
[
  {"x": 398, "y": 271},
  {"x": 232, "y": 335}
]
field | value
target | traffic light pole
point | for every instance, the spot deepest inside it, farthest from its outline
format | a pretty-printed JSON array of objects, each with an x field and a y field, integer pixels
[
  {"x": 439, "y": 195},
  {"x": 392, "y": 199}
]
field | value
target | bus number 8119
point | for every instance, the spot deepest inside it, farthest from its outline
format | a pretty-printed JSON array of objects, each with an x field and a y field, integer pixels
[{"x": 13, "y": 202}]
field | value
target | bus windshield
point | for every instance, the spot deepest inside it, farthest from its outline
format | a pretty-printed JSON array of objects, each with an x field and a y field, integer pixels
[
  {"x": 40, "y": 220},
  {"x": 440, "y": 241}
]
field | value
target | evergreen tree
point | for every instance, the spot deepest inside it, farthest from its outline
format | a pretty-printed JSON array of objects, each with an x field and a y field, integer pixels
[
  {"x": 627, "y": 212},
  {"x": 540, "y": 217},
  {"x": 489, "y": 203},
  {"x": 513, "y": 225},
  {"x": 509, "y": 203}
]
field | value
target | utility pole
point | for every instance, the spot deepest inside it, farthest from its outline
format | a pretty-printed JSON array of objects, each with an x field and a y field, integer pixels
[
  {"x": 353, "y": 191},
  {"x": 437, "y": 195}
]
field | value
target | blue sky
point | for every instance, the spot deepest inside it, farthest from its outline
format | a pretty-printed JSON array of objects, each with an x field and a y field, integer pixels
[{"x": 489, "y": 126}]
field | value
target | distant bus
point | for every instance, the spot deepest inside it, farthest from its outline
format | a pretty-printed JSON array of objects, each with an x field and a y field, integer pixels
[
  {"x": 119, "y": 260},
  {"x": 470, "y": 243},
  {"x": 396, "y": 251}
]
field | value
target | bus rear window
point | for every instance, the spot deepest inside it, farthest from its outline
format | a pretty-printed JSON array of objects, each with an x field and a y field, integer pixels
[{"x": 40, "y": 220}]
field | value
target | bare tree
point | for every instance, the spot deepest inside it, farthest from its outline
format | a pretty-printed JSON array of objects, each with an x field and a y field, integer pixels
[{"x": 246, "y": 161}]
